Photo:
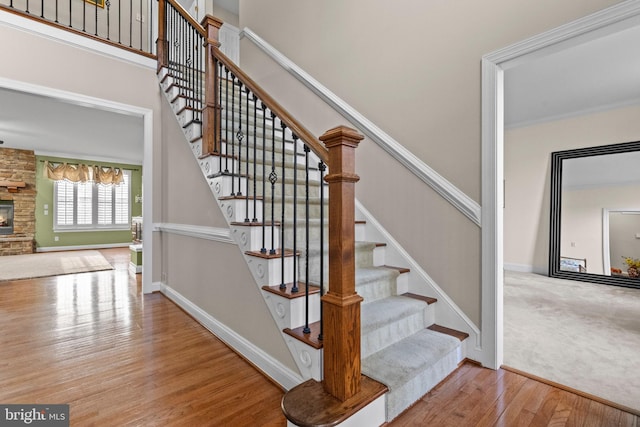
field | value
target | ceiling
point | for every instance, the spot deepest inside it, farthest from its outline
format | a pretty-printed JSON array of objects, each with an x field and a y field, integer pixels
[
  {"x": 53, "y": 127},
  {"x": 600, "y": 74},
  {"x": 597, "y": 75}
]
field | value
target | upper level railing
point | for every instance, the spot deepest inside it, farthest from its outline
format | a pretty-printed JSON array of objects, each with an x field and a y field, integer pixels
[
  {"x": 122, "y": 23},
  {"x": 276, "y": 168}
]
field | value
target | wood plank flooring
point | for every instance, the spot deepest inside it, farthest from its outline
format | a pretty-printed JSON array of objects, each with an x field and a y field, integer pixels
[
  {"x": 93, "y": 341},
  {"x": 120, "y": 358}
]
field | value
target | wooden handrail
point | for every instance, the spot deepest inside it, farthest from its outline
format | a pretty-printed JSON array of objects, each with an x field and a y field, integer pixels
[{"x": 299, "y": 130}]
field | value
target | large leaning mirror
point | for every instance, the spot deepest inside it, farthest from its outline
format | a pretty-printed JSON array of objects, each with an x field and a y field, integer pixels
[{"x": 595, "y": 214}]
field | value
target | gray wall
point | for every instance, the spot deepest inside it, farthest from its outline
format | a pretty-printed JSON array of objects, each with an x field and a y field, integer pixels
[{"x": 413, "y": 68}]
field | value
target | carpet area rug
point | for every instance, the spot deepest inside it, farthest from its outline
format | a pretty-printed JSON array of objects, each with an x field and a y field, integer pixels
[
  {"x": 581, "y": 335},
  {"x": 16, "y": 267}
]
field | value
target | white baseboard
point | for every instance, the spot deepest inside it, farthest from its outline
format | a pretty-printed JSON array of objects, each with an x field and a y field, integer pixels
[
  {"x": 80, "y": 247},
  {"x": 267, "y": 364},
  {"x": 524, "y": 268}
]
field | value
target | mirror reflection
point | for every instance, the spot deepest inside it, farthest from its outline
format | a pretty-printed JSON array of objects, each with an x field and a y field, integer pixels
[{"x": 595, "y": 229}]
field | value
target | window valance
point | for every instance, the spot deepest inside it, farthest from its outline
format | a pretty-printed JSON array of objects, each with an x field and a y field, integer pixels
[{"x": 83, "y": 173}]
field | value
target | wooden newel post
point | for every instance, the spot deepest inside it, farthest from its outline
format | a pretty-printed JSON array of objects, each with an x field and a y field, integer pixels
[
  {"x": 211, "y": 114},
  {"x": 161, "y": 43},
  {"x": 341, "y": 305}
]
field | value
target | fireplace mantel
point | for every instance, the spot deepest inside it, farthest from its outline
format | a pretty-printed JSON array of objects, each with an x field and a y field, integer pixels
[{"x": 13, "y": 186}]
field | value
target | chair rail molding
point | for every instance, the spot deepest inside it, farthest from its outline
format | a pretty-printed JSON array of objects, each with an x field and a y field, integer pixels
[
  {"x": 218, "y": 234},
  {"x": 615, "y": 18},
  {"x": 466, "y": 205}
]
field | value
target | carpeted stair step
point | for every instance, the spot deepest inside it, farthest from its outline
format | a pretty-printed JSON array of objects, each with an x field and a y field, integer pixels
[
  {"x": 389, "y": 320},
  {"x": 412, "y": 367},
  {"x": 376, "y": 283}
]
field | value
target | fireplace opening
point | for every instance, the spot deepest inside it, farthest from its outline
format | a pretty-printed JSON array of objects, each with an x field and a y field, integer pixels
[{"x": 6, "y": 218}]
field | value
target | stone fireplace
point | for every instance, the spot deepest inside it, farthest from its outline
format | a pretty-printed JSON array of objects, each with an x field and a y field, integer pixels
[{"x": 18, "y": 198}]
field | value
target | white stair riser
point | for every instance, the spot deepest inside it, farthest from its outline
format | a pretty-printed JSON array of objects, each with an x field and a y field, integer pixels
[
  {"x": 267, "y": 272},
  {"x": 308, "y": 359},
  {"x": 249, "y": 238},
  {"x": 223, "y": 185},
  {"x": 235, "y": 210},
  {"x": 289, "y": 312}
]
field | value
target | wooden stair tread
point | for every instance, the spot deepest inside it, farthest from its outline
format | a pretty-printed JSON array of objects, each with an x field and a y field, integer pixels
[
  {"x": 401, "y": 270},
  {"x": 308, "y": 404},
  {"x": 287, "y": 292},
  {"x": 311, "y": 338},
  {"x": 240, "y": 197},
  {"x": 287, "y": 253},
  {"x": 428, "y": 300},
  {"x": 255, "y": 223},
  {"x": 448, "y": 331}
]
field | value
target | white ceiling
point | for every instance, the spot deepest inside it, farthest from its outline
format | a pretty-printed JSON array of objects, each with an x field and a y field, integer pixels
[
  {"x": 594, "y": 76},
  {"x": 53, "y": 127}
]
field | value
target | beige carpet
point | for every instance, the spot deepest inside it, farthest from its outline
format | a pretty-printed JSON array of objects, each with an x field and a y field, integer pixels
[
  {"x": 582, "y": 335},
  {"x": 15, "y": 267}
]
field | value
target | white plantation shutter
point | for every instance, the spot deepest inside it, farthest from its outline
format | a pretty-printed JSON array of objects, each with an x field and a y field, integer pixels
[
  {"x": 122, "y": 199},
  {"x": 85, "y": 203},
  {"x": 90, "y": 206},
  {"x": 64, "y": 203},
  {"x": 105, "y": 204}
]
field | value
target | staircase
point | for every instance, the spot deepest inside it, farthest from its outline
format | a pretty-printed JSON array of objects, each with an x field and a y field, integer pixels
[{"x": 269, "y": 186}]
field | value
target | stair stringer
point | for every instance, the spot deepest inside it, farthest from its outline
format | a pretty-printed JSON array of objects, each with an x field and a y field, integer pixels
[
  {"x": 265, "y": 272},
  {"x": 447, "y": 313}
]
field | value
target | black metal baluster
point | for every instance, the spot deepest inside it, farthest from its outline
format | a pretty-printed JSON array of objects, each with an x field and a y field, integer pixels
[
  {"x": 306, "y": 329},
  {"x": 150, "y": 26},
  {"x": 283, "y": 285},
  {"x": 294, "y": 288},
  {"x": 56, "y": 11},
  {"x": 141, "y": 32},
  {"x": 70, "y": 14},
  {"x": 255, "y": 159},
  {"x": 120, "y": 21},
  {"x": 240, "y": 137},
  {"x": 321, "y": 167},
  {"x": 96, "y": 17},
  {"x": 130, "y": 22},
  {"x": 84, "y": 15},
  {"x": 219, "y": 100},
  {"x": 233, "y": 126},
  {"x": 42, "y": 9},
  {"x": 108, "y": 3},
  {"x": 27, "y": 11},
  {"x": 264, "y": 195},
  {"x": 273, "y": 177},
  {"x": 246, "y": 188},
  {"x": 226, "y": 115}
]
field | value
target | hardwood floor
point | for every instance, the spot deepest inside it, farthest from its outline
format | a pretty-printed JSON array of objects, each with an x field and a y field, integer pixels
[
  {"x": 475, "y": 396},
  {"x": 119, "y": 358}
]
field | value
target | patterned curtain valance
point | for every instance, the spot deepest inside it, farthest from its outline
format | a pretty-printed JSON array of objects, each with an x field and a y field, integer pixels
[{"x": 83, "y": 173}]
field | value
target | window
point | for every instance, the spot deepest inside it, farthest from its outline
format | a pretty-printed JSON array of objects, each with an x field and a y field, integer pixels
[{"x": 90, "y": 206}]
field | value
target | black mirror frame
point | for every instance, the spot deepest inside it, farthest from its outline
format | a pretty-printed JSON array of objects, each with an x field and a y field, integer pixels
[{"x": 556, "y": 209}]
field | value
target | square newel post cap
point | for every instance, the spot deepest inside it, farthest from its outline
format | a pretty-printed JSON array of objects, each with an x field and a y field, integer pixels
[
  {"x": 212, "y": 26},
  {"x": 211, "y": 20},
  {"x": 341, "y": 135}
]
